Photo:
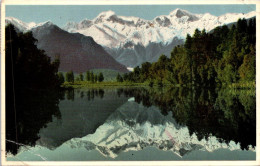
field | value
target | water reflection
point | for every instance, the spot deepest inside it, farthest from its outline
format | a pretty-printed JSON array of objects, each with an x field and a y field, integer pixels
[
  {"x": 64, "y": 110},
  {"x": 33, "y": 111},
  {"x": 136, "y": 127},
  {"x": 81, "y": 114},
  {"x": 117, "y": 120},
  {"x": 225, "y": 113},
  {"x": 90, "y": 93}
]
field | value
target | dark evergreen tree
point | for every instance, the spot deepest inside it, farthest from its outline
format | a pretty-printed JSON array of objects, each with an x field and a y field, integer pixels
[
  {"x": 61, "y": 78},
  {"x": 87, "y": 76},
  {"x": 70, "y": 76},
  {"x": 119, "y": 78},
  {"x": 92, "y": 77},
  {"x": 100, "y": 77}
]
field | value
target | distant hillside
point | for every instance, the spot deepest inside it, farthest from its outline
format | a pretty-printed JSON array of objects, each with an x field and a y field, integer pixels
[{"x": 77, "y": 52}]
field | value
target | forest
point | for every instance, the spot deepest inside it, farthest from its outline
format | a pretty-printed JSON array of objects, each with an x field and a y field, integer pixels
[{"x": 225, "y": 56}]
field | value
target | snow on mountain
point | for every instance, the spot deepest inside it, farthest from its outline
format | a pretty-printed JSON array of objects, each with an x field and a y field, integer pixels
[
  {"x": 132, "y": 41},
  {"x": 132, "y": 55},
  {"x": 179, "y": 13},
  {"x": 111, "y": 30},
  {"x": 134, "y": 127},
  {"x": 22, "y": 26},
  {"x": 43, "y": 25}
]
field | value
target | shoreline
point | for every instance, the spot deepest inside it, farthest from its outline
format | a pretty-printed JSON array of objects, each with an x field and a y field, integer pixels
[{"x": 84, "y": 84}]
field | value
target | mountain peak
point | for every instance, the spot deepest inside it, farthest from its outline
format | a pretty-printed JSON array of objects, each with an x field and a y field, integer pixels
[
  {"x": 47, "y": 23},
  {"x": 20, "y": 25},
  {"x": 106, "y": 14},
  {"x": 179, "y": 13},
  {"x": 180, "y": 10}
]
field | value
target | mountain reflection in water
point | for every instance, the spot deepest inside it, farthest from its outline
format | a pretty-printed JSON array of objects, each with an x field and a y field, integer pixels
[{"x": 116, "y": 120}]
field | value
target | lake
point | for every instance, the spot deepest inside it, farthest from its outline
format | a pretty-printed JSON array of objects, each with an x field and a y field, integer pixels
[{"x": 134, "y": 124}]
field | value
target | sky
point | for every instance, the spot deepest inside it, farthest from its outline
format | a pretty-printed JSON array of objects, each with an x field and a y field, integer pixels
[{"x": 61, "y": 14}]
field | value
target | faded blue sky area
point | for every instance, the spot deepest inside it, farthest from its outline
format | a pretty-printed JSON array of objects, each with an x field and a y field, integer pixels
[{"x": 60, "y": 14}]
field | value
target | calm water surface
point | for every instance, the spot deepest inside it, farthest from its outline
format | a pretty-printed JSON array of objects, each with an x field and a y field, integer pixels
[{"x": 134, "y": 124}]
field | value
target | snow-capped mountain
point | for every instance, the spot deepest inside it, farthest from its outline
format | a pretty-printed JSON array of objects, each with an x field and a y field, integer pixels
[
  {"x": 132, "y": 40},
  {"x": 135, "y": 127},
  {"x": 132, "y": 55},
  {"x": 112, "y": 31},
  {"x": 20, "y": 25}
]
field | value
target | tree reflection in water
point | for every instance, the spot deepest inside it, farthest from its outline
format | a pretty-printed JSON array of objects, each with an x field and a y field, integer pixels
[
  {"x": 225, "y": 113},
  {"x": 34, "y": 110}
]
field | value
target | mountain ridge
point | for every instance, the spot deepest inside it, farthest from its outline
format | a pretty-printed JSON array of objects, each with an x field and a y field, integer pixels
[
  {"x": 179, "y": 22},
  {"x": 131, "y": 40},
  {"x": 109, "y": 22},
  {"x": 76, "y": 52}
]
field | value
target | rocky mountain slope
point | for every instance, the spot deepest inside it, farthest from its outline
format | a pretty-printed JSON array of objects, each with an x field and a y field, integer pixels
[{"x": 77, "y": 52}]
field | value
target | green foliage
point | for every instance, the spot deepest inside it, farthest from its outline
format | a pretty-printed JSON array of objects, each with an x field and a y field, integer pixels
[
  {"x": 119, "y": 78},
  {"x": 70, "y": 76},
  {"x": 28, "y": 65},
  {"x": 81, "y": 77},
  {"x": 247, "y": 70},
  {"x": 109, "y": 74},
  {"x": 159, "y": 83},
  {"x": 92, "y": 77},
  {"x": 77, "y": 78},
  {"x": 225, "y": 56},
  {"x": 95, "y": 78},
  {"x": 61, "y": 78},
  {"x": 87, "y": 76},
  {"x": 226, "y": 114},
  {"x": 100, "y": 77},
  {"x": 151, "y": 83}
]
